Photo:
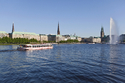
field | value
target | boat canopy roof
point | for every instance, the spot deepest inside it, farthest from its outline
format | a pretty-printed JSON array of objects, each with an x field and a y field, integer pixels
[{"x": 34, "y": 44}]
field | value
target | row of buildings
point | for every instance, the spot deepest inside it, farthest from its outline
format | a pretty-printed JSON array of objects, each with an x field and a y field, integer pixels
[
  {"x": 39, "y": 37},
  {"x": 57, "y": 37}
]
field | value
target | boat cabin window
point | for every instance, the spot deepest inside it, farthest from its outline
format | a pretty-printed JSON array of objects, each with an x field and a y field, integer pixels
[
  {"x": 24, "y": 46},
  {"x": 34, "y": 46},
  {"x": 28, "y": 46}
]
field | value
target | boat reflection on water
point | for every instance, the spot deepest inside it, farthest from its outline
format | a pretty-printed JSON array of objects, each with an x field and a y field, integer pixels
[{"x": 38, "y": 55}]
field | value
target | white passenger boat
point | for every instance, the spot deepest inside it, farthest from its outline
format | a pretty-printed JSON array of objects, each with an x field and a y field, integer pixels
[{"x": 34, "y": 46}]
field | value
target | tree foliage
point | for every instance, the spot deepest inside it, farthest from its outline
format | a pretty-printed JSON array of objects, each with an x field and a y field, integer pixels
[
  {"x": 49, "y": 41},
  {"x": 9, "y": 40},
  {"x": 69, "y": 41}
]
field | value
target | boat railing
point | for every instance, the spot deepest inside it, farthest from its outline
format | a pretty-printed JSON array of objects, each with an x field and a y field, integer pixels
[{"x": 34, "y": 46}]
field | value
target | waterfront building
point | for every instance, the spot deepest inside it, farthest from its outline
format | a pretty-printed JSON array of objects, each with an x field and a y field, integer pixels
[
  {"x": 43, "y": 37},
  {"x": 3, "y": 34},
  {"x": 73, "y": 37},
  {"x": 86, "y": 40},
  {"x": 96, "y": 40},
  {"x": 106, "y": 39},
  {"x": 91, "y": 40},
  {"x": 58, "y": 38},
  {"x": 51, "y": 37},
  {"x": 66, "y": 37},
  {"x": 29, "y": 35},
  {"x": 122, "y": 38},
  {"x": 79, "y": 39},
  {"x": 55, "y": 38}
]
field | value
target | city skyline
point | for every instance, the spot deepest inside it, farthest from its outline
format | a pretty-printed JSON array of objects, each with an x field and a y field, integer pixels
[{"x": 84, "y": 18}]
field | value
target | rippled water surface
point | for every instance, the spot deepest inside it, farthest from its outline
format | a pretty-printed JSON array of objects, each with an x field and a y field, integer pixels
[{"x": 65, "y": 63}]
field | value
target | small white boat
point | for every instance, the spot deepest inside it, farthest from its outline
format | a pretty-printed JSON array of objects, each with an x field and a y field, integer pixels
[
  {"x": 91, "y": 43},
  {"x": 34, "y": 46}
]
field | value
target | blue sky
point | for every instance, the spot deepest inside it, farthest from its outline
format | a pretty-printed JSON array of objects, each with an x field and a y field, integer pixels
[{"x": 82, "y": 17}]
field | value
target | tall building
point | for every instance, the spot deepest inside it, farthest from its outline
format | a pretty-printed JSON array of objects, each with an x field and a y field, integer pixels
[
  {"x": 13, "y": 28},
  {"x": 102, "y": 34},
  {"x": 58, "y": 31}
]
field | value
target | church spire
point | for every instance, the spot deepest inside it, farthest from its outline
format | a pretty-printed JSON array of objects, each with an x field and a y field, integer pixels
[
  {"x": 58, "y": 31},
  {"x": 12, "y": 27},
  {"x": 102, "y": 34},
  {"x": 102, "y": 29}
]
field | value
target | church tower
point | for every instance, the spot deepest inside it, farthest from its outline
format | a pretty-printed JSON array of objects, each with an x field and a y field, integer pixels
[
  {"x": 102, "y": 34},
  {"x": 12, "y": 27},
  {"x": 58, "y": 31}
]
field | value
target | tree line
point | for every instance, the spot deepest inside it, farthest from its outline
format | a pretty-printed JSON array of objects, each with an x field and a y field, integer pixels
[
  {"x": 69, "y": 41},
  {"x": 63, "y": 41},
  {"x": 9, "y": 40}
]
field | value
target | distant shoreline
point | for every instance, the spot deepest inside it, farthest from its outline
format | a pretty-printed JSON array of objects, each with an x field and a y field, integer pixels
[
  {"x": 42, "y": 43},
  {"x": 58, "y": 43}
]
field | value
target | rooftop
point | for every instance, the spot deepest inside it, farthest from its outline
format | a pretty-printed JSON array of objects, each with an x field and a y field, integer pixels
[
  {"x": 2, "y": 32},
  {"x": 25, "y": 33}
]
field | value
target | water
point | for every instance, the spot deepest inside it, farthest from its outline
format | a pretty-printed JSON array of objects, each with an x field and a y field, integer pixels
[
  {"x": 65, "y": 63},
  {"x": 114, "y": 35}
]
